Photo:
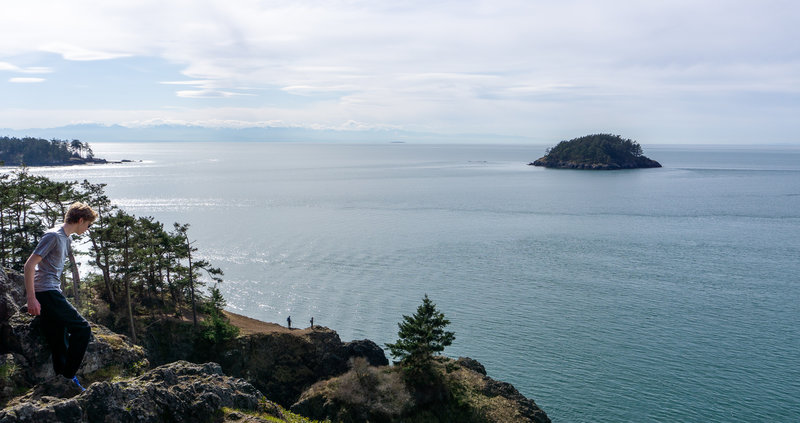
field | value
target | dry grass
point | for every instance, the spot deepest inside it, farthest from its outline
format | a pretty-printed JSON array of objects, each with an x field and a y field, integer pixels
[
  {"x": 470, "y": 385},
  {"x": 281, "y": 415},
  {"x": 249, "y": 326}
]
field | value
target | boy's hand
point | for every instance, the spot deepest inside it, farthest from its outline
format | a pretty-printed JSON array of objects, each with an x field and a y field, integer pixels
[{"x": 34, "y": 308}]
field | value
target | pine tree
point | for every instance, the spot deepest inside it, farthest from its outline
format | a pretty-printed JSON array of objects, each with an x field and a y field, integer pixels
[
  {"x": 421, "y": 337},
  {"x": 193, "y": 270}
]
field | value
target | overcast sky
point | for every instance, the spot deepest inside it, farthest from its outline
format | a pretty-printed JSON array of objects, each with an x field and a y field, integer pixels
[{"x": 656, "y": 71}]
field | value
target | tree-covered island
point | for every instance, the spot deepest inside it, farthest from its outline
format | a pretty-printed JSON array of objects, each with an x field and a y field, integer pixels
[
  {"x": 597, "y": 152},
  {"x": 41, "y": 152}
]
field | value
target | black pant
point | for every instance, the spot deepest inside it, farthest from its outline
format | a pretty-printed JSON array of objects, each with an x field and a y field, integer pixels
[{"x": 66, "y": 331}]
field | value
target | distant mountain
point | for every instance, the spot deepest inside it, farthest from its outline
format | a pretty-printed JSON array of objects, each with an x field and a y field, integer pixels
[{"x": 95, "y": 133}]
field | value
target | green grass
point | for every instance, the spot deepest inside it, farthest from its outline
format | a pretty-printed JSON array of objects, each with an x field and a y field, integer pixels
[{"x": 6, "y": 370}]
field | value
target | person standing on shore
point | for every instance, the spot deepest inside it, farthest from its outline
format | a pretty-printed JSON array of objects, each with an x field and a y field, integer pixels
[{"x": 66, "y": 331}]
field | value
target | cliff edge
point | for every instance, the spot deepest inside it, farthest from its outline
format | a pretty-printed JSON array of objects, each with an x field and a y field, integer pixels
[{"x": 255, "y": 377}]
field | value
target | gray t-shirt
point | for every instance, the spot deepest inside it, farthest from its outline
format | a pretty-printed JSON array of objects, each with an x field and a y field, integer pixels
[{"x": 53, "y": 249}]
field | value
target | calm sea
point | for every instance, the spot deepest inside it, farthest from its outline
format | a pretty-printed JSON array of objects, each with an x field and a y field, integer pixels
[{"x": 646, "y": 295}]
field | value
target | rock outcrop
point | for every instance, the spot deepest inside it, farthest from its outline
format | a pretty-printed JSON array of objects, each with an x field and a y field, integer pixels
[
  {"x": 25, "y": 359},
  {"x": 179, "y": 392},
  {"x": 369, "y": 350},
  {"x": 281, "y": 364},
  {"x": 641, "y": 162},
  {"x": 461, "y": 393}
]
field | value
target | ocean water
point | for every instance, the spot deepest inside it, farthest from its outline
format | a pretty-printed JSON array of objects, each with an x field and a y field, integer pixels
[{"x": 652, "y": 295}]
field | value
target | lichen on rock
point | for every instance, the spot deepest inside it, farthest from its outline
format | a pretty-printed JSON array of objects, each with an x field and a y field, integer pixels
[{"x": 179, "y": 392}]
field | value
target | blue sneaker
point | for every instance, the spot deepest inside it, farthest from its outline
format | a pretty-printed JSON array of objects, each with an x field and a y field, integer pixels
[{"x": 75, "y": 379}]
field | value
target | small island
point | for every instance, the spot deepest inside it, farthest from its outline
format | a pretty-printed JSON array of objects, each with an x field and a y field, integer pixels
[
  {"x": 31, "y": 151},
  {"x": 596, "y": 152}
]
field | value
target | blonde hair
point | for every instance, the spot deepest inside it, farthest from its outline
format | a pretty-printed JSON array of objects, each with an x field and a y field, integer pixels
[{"x": 80, "y": 210}]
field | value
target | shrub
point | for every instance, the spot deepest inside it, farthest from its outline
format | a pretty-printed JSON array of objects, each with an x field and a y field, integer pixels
[
  {"x": 380, "y": 391},
  {"x": 216, "y": 329}
]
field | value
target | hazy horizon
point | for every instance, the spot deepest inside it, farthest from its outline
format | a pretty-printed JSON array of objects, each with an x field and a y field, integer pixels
[{"x": 99, "y": 134}]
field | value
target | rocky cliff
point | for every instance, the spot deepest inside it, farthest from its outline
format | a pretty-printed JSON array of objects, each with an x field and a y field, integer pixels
[
  {"x": 25, "y": 360},
  {"x": 178, "y": 392},
  {"x": 310, "y": 370},
  {"x": 642, "y": 162},
  {"x": 461, "y": 392},
  {"x": 279, "y": 362}
]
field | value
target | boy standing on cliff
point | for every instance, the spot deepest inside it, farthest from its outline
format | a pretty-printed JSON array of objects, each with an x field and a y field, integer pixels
[{"x": 66, "y": 331}]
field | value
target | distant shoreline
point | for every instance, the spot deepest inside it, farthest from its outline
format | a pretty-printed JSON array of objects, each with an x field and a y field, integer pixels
[
  {"x": 73, "y": 162},
  {"x": 31, "y": 151}
]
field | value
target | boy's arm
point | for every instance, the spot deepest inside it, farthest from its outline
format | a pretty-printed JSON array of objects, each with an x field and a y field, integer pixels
[{"x": 34, "y": 308}]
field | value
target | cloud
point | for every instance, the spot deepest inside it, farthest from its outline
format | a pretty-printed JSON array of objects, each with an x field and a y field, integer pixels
[
  {"x": 208, "y": 94},
  {"x": 5, "y": 66},
  {"x": 37, "y": 70},
  {"x": 209, "y": 123},
  {"x": 502, "y": 65},
  {"x": 205, "y": 89},
  {"x": 309, "y": 90},
  {"x": 73, "y": 52},
  {"x": 196, "y": 83},
  {"x": 26, "y": 80}
]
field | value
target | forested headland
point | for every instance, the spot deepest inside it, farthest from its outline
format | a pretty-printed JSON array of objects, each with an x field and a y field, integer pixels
[
  {"x": 41, "y": 152},
  {"x": 598, "y": 151}
]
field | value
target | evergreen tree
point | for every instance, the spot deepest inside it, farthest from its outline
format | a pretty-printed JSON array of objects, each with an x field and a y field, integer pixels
[
  {"x": 192, "y": 272},
  {"x": 124, "y": 228},
  {"x": 22, "y": 217},
  {"x": 146, "y": 270},
  {"x": 36, "y": 151},
  {"x": 596, "y": 148},
  {"x": 100, "y": 235},
  {"x": 76, "y": 147},
  {"x": 421, "y": 337},
  {"x": 216, "y": 327}
]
